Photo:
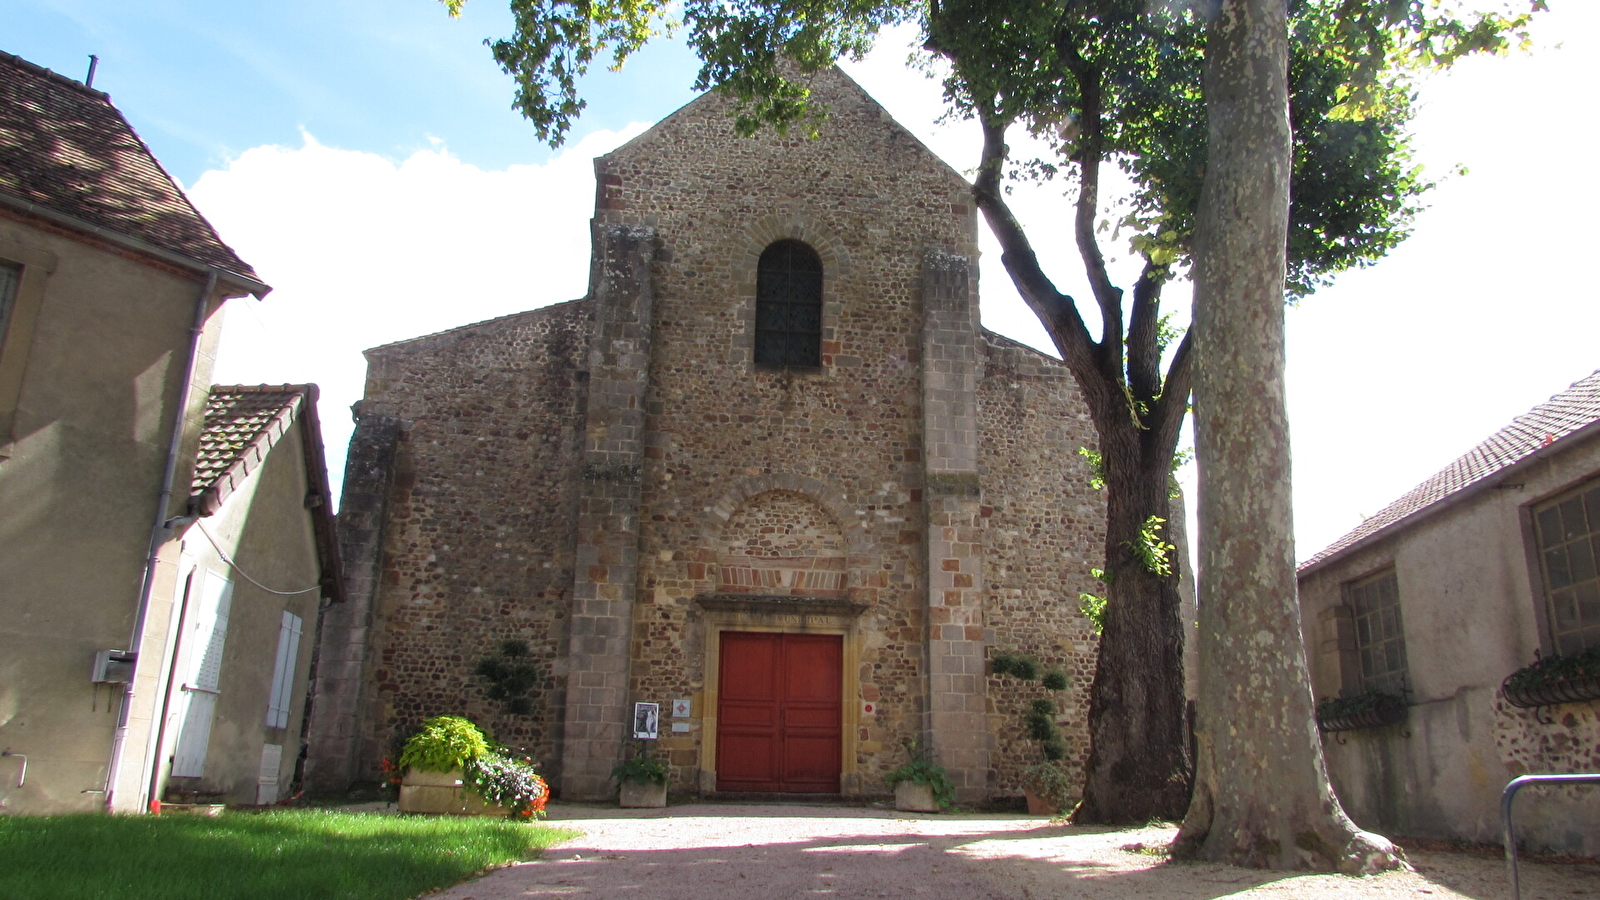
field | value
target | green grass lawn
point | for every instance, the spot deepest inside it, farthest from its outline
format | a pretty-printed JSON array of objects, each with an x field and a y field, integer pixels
[{"x": 289, "y": 854}]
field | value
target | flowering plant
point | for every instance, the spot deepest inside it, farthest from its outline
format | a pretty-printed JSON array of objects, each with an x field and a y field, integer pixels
[
  {"x": 1555, "y": 668},
  {"x": 509, "y": 781}
]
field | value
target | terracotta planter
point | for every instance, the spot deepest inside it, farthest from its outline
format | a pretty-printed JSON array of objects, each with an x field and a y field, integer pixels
[
  {"x": 1385, "y": 713},
  {"x": 1571, "y": 690},
  {"x": 912, "y": 797},
  {"x": 642, "y": 795},
  {"x": 442, "y": 793},
  {"x": 1039, "y": 806}
]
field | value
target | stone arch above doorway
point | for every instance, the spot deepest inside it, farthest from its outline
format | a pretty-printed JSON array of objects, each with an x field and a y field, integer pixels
[{"x": 782, "y": 543}]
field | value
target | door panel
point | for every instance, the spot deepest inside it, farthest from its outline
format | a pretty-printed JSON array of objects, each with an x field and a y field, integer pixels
[{"x": 779, "y": 713}]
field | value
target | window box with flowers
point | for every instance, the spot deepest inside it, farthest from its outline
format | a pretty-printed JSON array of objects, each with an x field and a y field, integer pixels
[
  {"x": 1368, "y": 709},
  {"x": 1555, "y": 679}
]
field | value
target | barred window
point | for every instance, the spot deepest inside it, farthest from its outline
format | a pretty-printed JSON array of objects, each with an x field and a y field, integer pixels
[
  {"x": 789, "y": 306},
  {"x": 1568, "y": 533},
  {"x": 1380, "y": 633}
]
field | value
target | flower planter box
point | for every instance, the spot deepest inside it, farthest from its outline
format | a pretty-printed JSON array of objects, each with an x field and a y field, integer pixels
[
  {"x": 442, "y": 793},
  {"x": 642, "y": 795},
  {"x": 1385, "y": 713},
  {"x": 912, "y": 797},
  {"x": 1550, "y": 693}
]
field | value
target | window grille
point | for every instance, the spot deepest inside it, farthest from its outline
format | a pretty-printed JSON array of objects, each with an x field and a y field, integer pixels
[
  {"x": 1380, "y": 633},
  {"x": 789, "y": 306},
  {"x": 1568, "y": 533}
]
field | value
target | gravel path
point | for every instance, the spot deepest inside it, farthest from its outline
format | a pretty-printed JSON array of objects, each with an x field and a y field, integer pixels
[{"x": 722, "y": 852}]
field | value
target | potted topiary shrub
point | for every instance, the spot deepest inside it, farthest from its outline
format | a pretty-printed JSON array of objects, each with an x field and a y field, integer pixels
[
  {"x": 921, "y": 785},
  {"x": 1046, "y": 785},
  {"x": 1555, "y": 679},
  {"x": 641, "y": 781}
]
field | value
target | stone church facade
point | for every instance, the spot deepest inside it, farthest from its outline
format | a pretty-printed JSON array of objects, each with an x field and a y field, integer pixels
[{"x": 771, "y": 466}]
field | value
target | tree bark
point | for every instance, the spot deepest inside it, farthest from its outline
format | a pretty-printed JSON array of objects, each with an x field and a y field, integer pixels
[
  {"x": 1261, "y": 793},
  {"x": 1138, "y": 766}
]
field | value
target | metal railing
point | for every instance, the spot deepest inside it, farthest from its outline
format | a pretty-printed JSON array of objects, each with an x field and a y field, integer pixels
[{"x": 1510, "y": 794}]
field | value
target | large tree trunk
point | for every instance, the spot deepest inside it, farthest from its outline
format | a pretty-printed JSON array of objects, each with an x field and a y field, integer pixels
[
  {"x": 1261, "y": 794},
  {"x": 1138, "y": 767}
]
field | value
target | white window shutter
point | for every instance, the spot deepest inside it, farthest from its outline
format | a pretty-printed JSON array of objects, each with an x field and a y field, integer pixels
[
  {"x": 283, "y": 671},
  {"x": 202, "y": 675}
]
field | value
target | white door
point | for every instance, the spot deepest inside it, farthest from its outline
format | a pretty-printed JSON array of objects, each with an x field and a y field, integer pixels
[{"x": 203, "y": 640}]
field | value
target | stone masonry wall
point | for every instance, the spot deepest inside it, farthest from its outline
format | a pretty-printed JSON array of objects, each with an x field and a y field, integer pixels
[
  {"x": 871, "y": 201},
  {"x": 1044, "y": 530},
  {"x": 478, "y": 547}
]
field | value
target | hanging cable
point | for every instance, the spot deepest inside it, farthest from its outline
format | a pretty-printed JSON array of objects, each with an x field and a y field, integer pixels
[{"x": 242, "y": 573}]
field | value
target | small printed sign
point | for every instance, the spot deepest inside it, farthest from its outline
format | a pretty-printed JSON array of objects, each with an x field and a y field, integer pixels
[
  {"x": 680, "y": 709},
  {"x": 646, "y": 721}
]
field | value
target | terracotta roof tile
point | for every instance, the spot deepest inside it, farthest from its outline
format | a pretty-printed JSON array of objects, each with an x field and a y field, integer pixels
[
  {"x": 1563, "y": 414},
  {"x": 65, "y": 147},
  {"x": 242, "y": 424}
]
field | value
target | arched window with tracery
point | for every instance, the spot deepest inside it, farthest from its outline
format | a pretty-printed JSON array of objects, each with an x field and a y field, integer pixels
[{"x": 789, "y": 306}]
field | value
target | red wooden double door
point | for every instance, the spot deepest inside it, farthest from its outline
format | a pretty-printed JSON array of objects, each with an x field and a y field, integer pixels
[{"x": 779, "y": 712}]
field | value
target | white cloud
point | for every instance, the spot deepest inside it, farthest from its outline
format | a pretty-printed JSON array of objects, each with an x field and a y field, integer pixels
[
  {"x": 362, "y": 250},
  {"x": 1394, "y": 371}
]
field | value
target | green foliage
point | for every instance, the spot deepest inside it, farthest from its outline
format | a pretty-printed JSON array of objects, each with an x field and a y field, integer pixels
[
  {"x": 1039, "y": 722},
  {"x": 1554, "y": 669},
  {"x": 921, "y": 769},
  {"x": 279, "y": 854},
  {"x": 1153, "y": 553},
  {"x": 1093, "y": 608},
  {"x": 1338, "y": 707},
  {"x": 1097, "y": 467},
  {"x": 1049, "y": 782},
  {"x": 641, "y": 768},
  {"x": 444, "y": 744},
  {"x": 511, "y": 675}
]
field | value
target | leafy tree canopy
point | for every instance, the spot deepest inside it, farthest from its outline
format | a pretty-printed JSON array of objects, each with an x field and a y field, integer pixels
[{"x": 1113, "y": 80}]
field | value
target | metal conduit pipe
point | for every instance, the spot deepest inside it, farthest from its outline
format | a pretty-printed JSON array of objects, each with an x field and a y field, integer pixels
[{"x": 160, "y": 533}]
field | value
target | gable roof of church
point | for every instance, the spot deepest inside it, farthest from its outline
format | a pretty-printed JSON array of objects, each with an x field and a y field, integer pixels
[
  {"x": 1571, "y": 413},
  {"x": 832, "y": 77},
  {"x": 64, "y": 148},
  {"x": 243, "y": 424}
]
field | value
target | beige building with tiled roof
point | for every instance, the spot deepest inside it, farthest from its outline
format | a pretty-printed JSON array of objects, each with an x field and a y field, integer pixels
[
  {"x": 1470, "y": 576},
  {"x": 111, "y": 286}
]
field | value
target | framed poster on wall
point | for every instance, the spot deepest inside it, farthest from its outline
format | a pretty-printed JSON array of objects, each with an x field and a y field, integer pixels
[{"x": 646, "y": 721}]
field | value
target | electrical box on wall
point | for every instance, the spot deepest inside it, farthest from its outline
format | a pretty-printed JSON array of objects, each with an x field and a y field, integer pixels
[{"x": 113, "y": 666}]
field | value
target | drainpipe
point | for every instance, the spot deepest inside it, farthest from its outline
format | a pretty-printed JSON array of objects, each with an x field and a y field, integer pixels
[{"x": 160, "y": 533}]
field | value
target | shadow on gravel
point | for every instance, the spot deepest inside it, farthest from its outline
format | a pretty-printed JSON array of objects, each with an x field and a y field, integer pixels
[{"x": 703, "y": 853}]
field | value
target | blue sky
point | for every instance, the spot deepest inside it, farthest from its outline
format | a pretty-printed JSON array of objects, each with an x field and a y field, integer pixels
[{"x": 364, "y": 157}]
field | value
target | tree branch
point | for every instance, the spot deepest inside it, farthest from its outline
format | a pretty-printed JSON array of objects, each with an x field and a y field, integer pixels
[
  {"x": 1089, "y": 156},
  {"x": 1166, "y": 414},
  {"x": 1144, "y": 334},
  {"x": 1056, "y": 311}
]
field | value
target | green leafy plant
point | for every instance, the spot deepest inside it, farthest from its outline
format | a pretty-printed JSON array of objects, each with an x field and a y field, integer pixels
[
  {"x": 1342, "y": 707},
  {"x": 1040, "y": 719},
  {"x": 444, "y": 744},
  {"x": 511, "y": 675},
  {"x": 510, "y": 781},
  {"x": 1050, "y": 782},
  {"x": 641, "y": 768},
  {"x": 1555, "y": 669},
  {"x": 921, "y": 769},
  {"x": 1155, "y": 554}
]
